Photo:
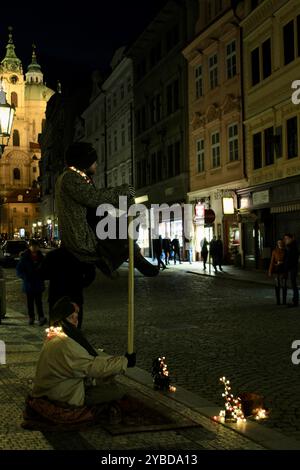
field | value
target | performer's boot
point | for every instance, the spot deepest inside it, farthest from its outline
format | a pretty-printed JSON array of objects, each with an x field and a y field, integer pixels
[{"x": 277, "y": 292}]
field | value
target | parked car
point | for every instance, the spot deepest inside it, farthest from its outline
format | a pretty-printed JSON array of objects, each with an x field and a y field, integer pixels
[{"x": 11, "y": 251}]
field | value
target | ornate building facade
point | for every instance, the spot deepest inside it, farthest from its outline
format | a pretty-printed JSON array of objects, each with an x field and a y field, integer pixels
[{"x": 19, "y": 163}]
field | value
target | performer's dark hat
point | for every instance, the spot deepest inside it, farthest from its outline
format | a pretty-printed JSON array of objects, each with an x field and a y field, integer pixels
[{"x": 81, "y": 155}]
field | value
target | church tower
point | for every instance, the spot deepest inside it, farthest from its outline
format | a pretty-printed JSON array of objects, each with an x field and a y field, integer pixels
[{"x": 19, "y": 164}]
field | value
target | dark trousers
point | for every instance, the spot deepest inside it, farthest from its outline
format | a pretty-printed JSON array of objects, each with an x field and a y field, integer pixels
[
  {"x": 293, "y": 276},
  {"x": 280, "y": 285},
  {"x": 160, "y": 261},
  {"x": 35, "y": 298},
  {"x": 177, "y": 253}
]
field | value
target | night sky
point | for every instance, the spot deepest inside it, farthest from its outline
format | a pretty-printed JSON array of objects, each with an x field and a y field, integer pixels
[{"x": 73, "y": 38}]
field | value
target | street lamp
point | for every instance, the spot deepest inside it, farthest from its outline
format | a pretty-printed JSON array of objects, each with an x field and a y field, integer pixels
[{"x": 7, "y": 112}]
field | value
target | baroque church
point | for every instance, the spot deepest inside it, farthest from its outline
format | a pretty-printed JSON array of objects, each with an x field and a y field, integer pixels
[{"x": 19, "y": 163}]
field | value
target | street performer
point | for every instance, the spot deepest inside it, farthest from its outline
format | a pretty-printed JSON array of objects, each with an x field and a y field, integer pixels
[{"x": 77, "y": 199}]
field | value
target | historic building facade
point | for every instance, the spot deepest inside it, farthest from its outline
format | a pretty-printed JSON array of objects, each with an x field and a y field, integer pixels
[
  {"x": 270, "y": 206},
  {"x": 215, "y": 97},
  {"x": 19, "y": 164},
  {"x": 160, "y": 107}
]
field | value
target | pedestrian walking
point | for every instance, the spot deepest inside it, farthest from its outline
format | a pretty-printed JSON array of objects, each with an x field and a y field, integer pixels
[
  {"x": 213, "y": 248},
  {"x": 176, "y": 248},
  {"x": 204, "y": 252},
  {"x": 219, "y": 252},
  {"x": 166, "y": 244},
  {"x": 189, "y": 248},
  {"x": 291, "y": 265},
  {"x": 276, "y": 268},
  {"x": 157, "y": 250},
  {"x": 77, "y": 199},
  {"x": 28, "y": 269}
]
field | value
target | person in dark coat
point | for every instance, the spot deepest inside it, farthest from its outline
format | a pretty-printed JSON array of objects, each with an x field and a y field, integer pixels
[
  {"x": 214, "y": 252},
  {"x": 157, "y": 249},
  {"x": 166, "y": 244},
  {"x": 204, "y": 252},
  {"x": 68, "y": 277},
  {"x": 219, "y": 252},
  {"x": 176, "y": 249},
  {"x": 291, "y": 265},
  {"x": 28, "y": 270}
]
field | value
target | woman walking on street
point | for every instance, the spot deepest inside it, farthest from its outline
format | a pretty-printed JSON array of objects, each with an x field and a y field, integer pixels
[
  {"x": 277, "y": 267},
  {"x": 204, "y": 252}
]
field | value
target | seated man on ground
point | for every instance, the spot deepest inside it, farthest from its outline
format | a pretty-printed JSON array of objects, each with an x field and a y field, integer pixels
[{"x": 73, "y": 384}]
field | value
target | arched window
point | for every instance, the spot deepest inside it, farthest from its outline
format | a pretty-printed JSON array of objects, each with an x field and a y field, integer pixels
[
  {"x": 16, "y": 138},
  {"x": 14, "y": 99},
  {"x": 17, "y": 174}
]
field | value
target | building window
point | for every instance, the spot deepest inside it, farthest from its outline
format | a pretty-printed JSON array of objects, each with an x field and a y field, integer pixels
[
  {"x": 199, "y": 81},
  {"x": 14, "y": 210},
  {"x": 155, "y": 55},
  {"x": 14, "y": 99},
  {"x": 128, "y": 83},
  {"x": 269, "y": 146},
  {"x": 109, "y": 105},
  {"x": 200, "y": 155},
  {"x": 257, "y": 151},
  {"x": 177, "y": 158},
  {"x": 288, "y": 42},
  {"x": 109, "y": 144},
  {"x": 213, "y": 71},
  {"x": 129, "y": 128},
  {"x": 26, "y": 222},
  {"x": 155, "y": 109},
  {"x": 170, "y": 161},
  {"x": 172, "y": 37},
  {"x": 255, "y": 66},
  {"x": 266, "y": 58},
  {"x": 25, "y": 209},
  {"x": 115, "y": 140},
  {"x": 153, "y": 168},
  {"x": 215, "y": 150},
  {"x": 16, "y": 138},
  {"x": 37, "y": 210},
  {"x": 292, "y": 137},
  {"x": 123, "y": 134},
  {"x": 231, "y": 59},
  {"x": 233, "y": 142},
  {"x": 173, "y": 97},
  {"x": 16, "y": 174},
  {"x": 122, "y": 91},
  {"x": 34, "y": 169}
]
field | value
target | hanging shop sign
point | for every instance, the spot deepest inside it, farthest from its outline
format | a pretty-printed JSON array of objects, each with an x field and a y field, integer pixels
[
  {"x": 228, "y": 205},
  {"x": 209, "y": 216},
  {"x": 260, "y": 197}
]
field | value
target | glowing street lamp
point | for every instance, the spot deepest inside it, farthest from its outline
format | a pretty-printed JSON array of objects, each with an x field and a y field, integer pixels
[{"x": 7, "y": 112}]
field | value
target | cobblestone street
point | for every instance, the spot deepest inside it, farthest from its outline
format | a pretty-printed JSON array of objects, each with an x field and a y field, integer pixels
[{"x": 206, "y": 327}]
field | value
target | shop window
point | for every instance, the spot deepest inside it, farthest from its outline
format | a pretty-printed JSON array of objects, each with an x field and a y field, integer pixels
[{"x": 292, "y": 137}]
